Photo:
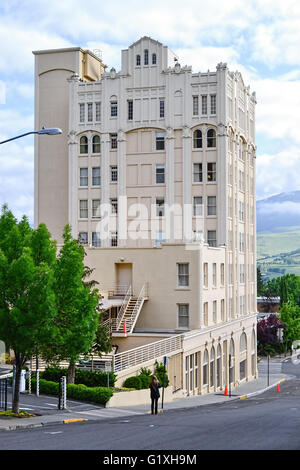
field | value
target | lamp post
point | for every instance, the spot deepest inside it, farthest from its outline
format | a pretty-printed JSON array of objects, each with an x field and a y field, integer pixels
[{"x": 44, "y": 130}]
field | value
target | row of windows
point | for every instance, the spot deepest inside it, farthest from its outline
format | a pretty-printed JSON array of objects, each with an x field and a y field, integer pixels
[
  {"x": 204, "y": 105},
  {"x": 214, "y": 275},
  {"x": 159, "y": 141},
  {"x": 96, "y": 240},
  {"x": 146, "y": 58}
]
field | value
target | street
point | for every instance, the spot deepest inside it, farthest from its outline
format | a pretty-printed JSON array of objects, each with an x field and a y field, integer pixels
[{"x": 267, "y": 421}]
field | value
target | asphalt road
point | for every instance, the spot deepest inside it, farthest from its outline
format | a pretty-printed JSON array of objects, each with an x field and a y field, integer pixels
[{"x": 268, "y": 421}]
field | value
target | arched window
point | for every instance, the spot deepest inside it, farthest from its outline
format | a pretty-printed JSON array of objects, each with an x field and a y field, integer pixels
[
  {"x": 146, "y": 57},
  {"x": 243, "y": 343},
  {"x": 96, "y": 144},
  {"x": 211, "y": 138},
  {"x": 212, "y": 367},
  {"x": 219, "y": 366},
  {"x": 153, "y": 59},
  {"x": 138, "y": 60},
  {"x": 205, "y": 367},
  {"x": 243, "y": 356},
  {"x": 197, "y": 138},
  {"x": 84, "y": 148},
  {"x": 253, "y": 354}
]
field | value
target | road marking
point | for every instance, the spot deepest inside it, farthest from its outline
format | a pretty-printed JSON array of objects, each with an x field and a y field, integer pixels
[
  {"x": 75, "y": 420},
  {"x": 54, "y": 432},
  {"x": 51, "y": 404},
  {"x": 243, "y": 397}
]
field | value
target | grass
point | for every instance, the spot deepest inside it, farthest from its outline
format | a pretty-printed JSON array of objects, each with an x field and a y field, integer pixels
[{"x": 21, "y": 414}]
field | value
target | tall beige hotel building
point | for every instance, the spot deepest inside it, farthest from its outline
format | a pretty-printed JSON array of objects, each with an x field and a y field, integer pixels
[{"x": 155, "y": 173}]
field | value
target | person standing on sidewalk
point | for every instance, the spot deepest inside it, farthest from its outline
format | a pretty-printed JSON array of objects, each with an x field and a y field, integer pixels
[{"x": 154, "y": 393}]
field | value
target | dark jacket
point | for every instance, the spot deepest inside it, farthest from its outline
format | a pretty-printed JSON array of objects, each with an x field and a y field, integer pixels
[{"x": 154, "y": 392}]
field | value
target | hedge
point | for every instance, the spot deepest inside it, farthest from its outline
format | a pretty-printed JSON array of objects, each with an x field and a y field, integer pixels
[
  {"x": 86, "y": 377},
  {"x": 79, "y": 392},
  {"x": 133, "y": 382}
]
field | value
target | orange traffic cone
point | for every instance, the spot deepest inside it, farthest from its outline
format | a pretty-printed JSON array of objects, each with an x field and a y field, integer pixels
[
  {"x": 278, "y": 389},
  {"x": 226, "y": 391},
  {"x": 124, "y": 328}
]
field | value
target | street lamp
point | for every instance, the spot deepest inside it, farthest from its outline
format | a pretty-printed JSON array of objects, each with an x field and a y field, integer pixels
[{"x": 44, "y": 130}]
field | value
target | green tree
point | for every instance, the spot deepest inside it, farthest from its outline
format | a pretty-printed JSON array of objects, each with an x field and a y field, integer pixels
[
  {"x": 27, "y": 299},
  {"x": 283, "y": 291},
  {"x": 77, "y": 318},
  {"x": 290, "y": 316},
  {"x": 103, "y": 340},
  {"x": 261, "y": 287}
]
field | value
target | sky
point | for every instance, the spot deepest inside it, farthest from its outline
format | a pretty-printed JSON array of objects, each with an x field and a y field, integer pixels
[{"x": 260, "y": 38}]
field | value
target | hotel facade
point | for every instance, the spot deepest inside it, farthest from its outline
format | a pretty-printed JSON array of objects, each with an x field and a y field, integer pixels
[{"x": 155, "y": 172}]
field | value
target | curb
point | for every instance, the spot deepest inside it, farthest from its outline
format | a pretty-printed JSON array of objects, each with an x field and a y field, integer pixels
[{"x": 249, "y": 395}]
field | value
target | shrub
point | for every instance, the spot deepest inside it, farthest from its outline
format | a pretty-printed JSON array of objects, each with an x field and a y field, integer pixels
[
  {"x": 133, "y": 382},
  {"x": 159, "y": 372},
  {"x": 145, "y": 380},
  {"x": 86, "y": 377},
  {"x": 78, "y": 392},
  {"x": 145, "y": 371}
]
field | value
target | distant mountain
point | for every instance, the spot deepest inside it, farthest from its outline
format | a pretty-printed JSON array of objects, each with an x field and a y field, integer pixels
[{"x": 279, "y": 213}]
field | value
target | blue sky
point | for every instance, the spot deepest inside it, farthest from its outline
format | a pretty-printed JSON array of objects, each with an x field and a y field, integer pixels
[{"x": 259, "y": 38}]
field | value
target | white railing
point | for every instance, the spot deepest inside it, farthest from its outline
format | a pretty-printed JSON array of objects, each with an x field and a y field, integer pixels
[
  {"x": 119, "y": 290},
  {"x": 130, "y": 322},
  {"x": 65, "y": 364},
  {"x": 123, "y": 308},
  {"x": 146, "y": 353}
]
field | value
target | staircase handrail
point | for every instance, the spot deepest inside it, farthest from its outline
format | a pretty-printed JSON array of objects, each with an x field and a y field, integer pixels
[{"x": 123, "y": 307}]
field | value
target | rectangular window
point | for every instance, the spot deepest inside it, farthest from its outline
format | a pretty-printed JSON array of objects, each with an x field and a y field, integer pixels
[
  {"x": 83, "y": 238},
  {"x": 98, "y": 112},
  {"x": 195, "y": 105},
  {"x": 222, "y": 268},
  {"x": 160, "y": 140},
  {"x": 159, "y": 239},
  {"x": 197, "y": 206},
  {"x": 204, "y": 104},
  {"x": 213, "y": 104},
  {"x": 205, "y": 274},
  {"x": 205, "y": 313},
  {"x": 96, "y": 241},
  {"x": 197, "y": 172},
  {"x": 83, "y": 209},
  {"x": 160, "y": 174},
  {"x": 214, "y": 311},
  {"x": 183, "y": 316},
  {"x": 211, "y": 205},
  {"x": 196, "y": 370},
  {"x": 242, "y": 273},
  {"x": 114, "y": 239},
  {"x": 160, "y": 207},
  {"x": 113, "y": 141},
  {"x": 222, "y": 309},
  {"x": 96, "y": 208},
  {"x": 241, "y": 211},
  {"x": 81, "y": 112},
  {"x": 161, "y": 107},
  {"x": 90, "y": 112},
  {"x": 114, "y": 174},
  {"x": 212, "y": 237},
  {"x": 113, "y": 108},
  {"x": 130, "y": 110},
  {"x": 114, "y": 206},
  {"x": 211, "y": 172},
  {"x": 183, "y": 274},
  {"x": 214, "y": 275},
  {"x": 84, "y": 177},
  {"x": 96, "y": 177}
]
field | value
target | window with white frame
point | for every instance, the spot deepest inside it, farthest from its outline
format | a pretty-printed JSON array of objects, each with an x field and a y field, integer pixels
[
  {"x": 242, "y": 273},
  {"x": 84, "y": 148},
  {"x": 96, "y": 144},
  {"x": 205, "y": 313},
  {"x": 205, "y": 274},
  {"x": 212, "y": 237},
  {"x": 205, "y": 367},
  {"x": 138, "y": 60},
  {"x": 211, "y": 138},
  {"x": 83, "y": 209},
  {"x": 213, "y": 104},
  {"x": 211, "y": 172},
  {"x": 211, "y": 205},
  {"x": 113, "y": 174},
  {"x": 214, "y": 274},
  {"x": 197, "y": 139},
  {"x": 214, "y": 311},
  {"x": 114, "y": 108},
  {"x": 183, "y": 274},
  {"x": 153, "y": 59},
  {"x": 81, "y": 112},
  {"x": 195, "y": 105},
  {"x": 90, "y": 112},
  {"x": 222, "y": 272},
  {"x": 191, "y": 373},
  {"x": 96, "y": 240},
  {"x": 160, "y": 140},
  {"x": 183, "y": 315},
  {"x": 242, "y": 241},
  {"x": 204, "y": 104},
  {"x": 161, "y": 107},
  {"x": 83, "y": 238},
  {"x": 197, "y": 206},
  {"x": 197, "y": 172},
  {"x": 241, "y": 211},
  {"x": 212, "y": 367},
  {"x": 196, "y": 370},
  {"x": 222, "y": 309},
  {"x": 160, "y": 174},
  {"x": 84, "y": 177},
  {"x": 160, "y": 206},
  {"x": 113, "y": 141},
  {"x": 95, "y": 208},
  {"x": 146, "y": 57},
  {"x": 98, "y": 112},
  {"x": 96, "y": 177}
]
